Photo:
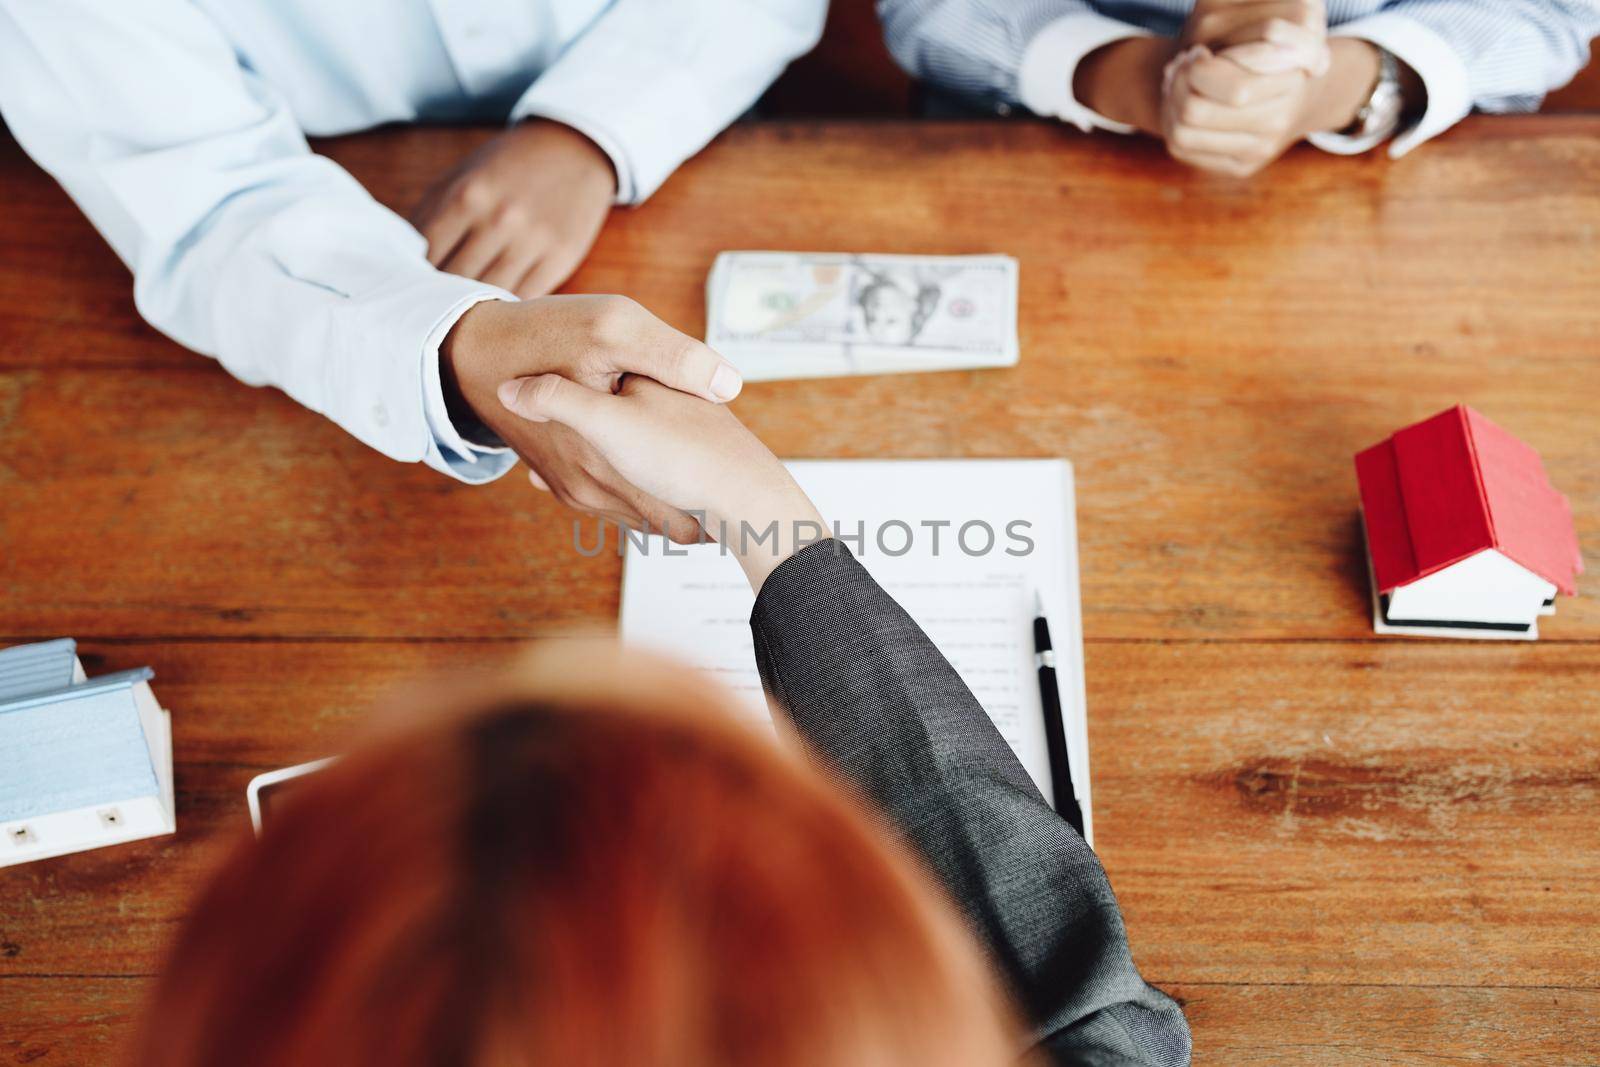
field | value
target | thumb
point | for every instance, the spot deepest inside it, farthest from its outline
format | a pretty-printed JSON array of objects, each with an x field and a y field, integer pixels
[
  {"x": 1179, "y": 65},
  {"x": 682, "y": 363},
  {"x": 1309, "y": 41},
  {"x": 1289, "y": 48},
  {"x": 552, "y": 398}
]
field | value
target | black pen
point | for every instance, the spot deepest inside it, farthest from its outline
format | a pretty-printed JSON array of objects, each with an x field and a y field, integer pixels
[{"x": 1055, "y": 731}]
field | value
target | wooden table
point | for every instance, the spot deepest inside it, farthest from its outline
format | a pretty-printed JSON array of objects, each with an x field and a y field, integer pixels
[{"x": 1335, "y": 849}]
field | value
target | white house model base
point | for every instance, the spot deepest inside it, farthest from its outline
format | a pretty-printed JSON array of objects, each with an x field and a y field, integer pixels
[
  {"x": 83, "y": 763},
  {"x": 1486, "y": 597}
]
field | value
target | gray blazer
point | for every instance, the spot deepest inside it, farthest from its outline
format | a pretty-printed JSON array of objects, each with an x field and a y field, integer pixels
[{"x": 880, "y": 705}]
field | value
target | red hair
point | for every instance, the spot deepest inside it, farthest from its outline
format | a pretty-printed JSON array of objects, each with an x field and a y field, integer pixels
[{"x": 558, "y": 877}]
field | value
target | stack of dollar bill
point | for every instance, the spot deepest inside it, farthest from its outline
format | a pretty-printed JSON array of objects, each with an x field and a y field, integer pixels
[{"x": 815, "y": 315}]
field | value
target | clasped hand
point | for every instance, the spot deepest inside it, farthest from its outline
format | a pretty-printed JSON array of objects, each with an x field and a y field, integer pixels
[
  {"x": 522, "y": 211},
  {"x": 1240, "y": 90},
  {"x": 590, "y": 343},
  {"x": 686, "y": 452},
  {"x": 622, "y": 416}
]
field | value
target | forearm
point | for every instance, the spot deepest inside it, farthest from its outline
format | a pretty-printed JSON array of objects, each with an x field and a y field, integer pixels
[
  {"x": 878, "y": 703},
  {"x": 1122, "y": 81},
  {"x": 869, "y": 691},
  {"x": 244, "y": 245},
  {"x": 1339, "y": 94}
]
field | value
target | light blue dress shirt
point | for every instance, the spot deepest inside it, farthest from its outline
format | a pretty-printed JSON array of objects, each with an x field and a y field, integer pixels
[
  {"x": 178, "y": 127},
  {"x": 1497, "y": 55}
]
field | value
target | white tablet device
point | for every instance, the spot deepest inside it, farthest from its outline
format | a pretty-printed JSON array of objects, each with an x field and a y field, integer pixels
[{"x": 268, "y": 790}]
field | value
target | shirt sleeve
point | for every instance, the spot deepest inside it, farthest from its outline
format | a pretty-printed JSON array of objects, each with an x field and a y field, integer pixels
[
  {"x": 652, "y": 81},
  {"x": 881, "y": 707},
  {"x": 243, "y": 244},
  {"x": 468, "y": 460},
  {"x": 1000, "y": 54},
  {"x": 1495, "y": 55}
]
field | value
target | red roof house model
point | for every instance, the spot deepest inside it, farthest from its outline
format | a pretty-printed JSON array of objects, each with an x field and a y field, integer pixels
[{"x": 1456, "y": 486}]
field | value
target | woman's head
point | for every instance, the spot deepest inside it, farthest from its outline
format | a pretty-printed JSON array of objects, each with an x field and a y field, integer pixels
[{"x": 591, "y": 863}]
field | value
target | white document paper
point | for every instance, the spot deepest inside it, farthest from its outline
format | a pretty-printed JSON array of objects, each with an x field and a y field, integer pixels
[
  {"x": 827, "y": 314},
  {"x": 695, "y": 604}
]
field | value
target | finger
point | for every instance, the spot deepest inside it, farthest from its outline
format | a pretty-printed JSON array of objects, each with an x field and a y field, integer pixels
[
  {"x": 685, "y": 364},
  {"x": 627, "y": 519},
  {"x": 548, "y": 274},
  {"x": 535, "y": 282},
  {"x": 1269, "y": 117},
  {"x": 1226, "y": 82},
  {"x": 552, "y": 398},
  {"x": 587, "y": 491},
  {"x": 1307, "y": 46},
  {"x": 476, "y": 251},
  {"x": 648, "y": 515},
  {"x": 604, "y": 491},
  {"x": 1175, "y": 75},
  {"x": 680, "y": 362},
  {"x": 1308, "y": 41},
  {"x": 443, "y": 233},
  {"x": 661, "y": 517},
  {"x": 630, "y": 340},
  {"x": 683, "y": 529},
  {"x": 616, "y": 510},
  {"x": 1220, "y": 21},
  {"x": 1213, "y": 163},
  {"x": 537, "y": 481},
  {"x": 1269, "y": 57},
  {"x": 513, "y": 263},
  {"x": 1193, "y": 140}
]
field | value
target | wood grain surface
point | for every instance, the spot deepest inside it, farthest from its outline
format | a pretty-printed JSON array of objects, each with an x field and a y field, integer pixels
[{"x": 1335, "y": 849}]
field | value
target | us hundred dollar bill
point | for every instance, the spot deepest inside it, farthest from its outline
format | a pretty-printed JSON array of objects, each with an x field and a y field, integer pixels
[{"x": 809, "y": 315}]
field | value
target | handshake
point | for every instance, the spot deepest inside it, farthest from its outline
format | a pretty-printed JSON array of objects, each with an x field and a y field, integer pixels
[
  {"x": 617, "y": 414},
  {"x": 1245, "y": 80}
]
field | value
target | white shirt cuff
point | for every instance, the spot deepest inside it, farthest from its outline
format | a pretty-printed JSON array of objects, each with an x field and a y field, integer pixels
[
  {"x": 1044, "y": 81},
  {"x": 530, "y": 107},
  {"x": 369, "y": 369},
  {"x": 460, "y": 458},
  {"x": 1442, "y": 71},
  {"x": 645, "y": 140}
]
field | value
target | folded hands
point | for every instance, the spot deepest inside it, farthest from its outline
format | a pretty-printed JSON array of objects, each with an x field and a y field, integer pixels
[{"x": 1245, "y": 80}]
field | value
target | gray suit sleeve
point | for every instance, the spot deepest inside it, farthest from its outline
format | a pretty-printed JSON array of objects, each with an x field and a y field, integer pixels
[{"x": 883, "y": 708}]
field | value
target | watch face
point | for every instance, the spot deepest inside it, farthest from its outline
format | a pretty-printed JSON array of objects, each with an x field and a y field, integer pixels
[
  {"x": 1385, "y": 108},
  {"x": 1380, "y": 116}
]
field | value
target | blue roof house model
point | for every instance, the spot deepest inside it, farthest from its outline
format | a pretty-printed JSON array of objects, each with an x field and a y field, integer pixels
[{"x": 83, "y": 762}]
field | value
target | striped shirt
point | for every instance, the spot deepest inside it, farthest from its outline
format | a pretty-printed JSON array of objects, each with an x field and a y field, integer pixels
[{"x": 1496, "y": 55}]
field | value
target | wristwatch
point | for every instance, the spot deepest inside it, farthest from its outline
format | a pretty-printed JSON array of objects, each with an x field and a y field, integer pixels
[{"x": 1379, "y": 117}]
